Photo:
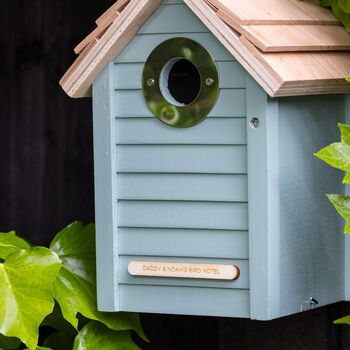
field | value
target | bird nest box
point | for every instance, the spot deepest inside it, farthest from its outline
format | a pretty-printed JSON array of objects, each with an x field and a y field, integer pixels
[{"x": 209, "y": 200}]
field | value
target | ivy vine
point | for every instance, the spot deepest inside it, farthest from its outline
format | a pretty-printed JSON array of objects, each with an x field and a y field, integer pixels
[{"x": 56, "y": 287}]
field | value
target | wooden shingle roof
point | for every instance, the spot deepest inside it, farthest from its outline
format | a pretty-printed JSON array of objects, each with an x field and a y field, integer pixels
[{"x": 289, "y": 47}]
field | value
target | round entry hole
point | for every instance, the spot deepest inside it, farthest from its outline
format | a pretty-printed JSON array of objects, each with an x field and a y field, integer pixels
[{"x": 180, "y": 82}]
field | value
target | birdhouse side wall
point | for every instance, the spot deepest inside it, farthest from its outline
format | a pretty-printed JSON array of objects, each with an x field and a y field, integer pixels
[{"x": 296, "y": 236}]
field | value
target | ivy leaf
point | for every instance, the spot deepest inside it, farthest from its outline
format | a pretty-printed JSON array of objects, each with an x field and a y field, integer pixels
[
  {"x": 345, "y": 133},
  {"x": 41, "y": 348},
  {"x": 339, "y": 11},
  {"x": 96, "y": 336},
  {"x": 336, "y": 155},
  {"x": 346, "y": 179},
  {"x": 59, "y": 341},
  {"x": 9, "y": 343},
  {"x": 10, "y": 243},
  {"x": 345, "y": 5},
  {"x": 343, "y": 320},
  {"x": 342, "y": 204},
  {"x": 75, "y": 286},
  {"x": 26, "y": 279}
]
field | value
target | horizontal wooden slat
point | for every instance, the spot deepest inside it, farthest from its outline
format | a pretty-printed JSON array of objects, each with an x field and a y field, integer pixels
[
  {"x": 185, "y": 300},
  {"x": 142, "y": 45},
  {"x": 282, "y": 38},
  {"x": 242, "y": 282},
  {"x": 166, "y": 20},
  {"x": 129, "y": 75},
  {"x": 229, "y": 131},
  {"x": 182, "y": 159},
  {"x": 200, "y": 215},
  {"x": 185, "y": 243},
  {"x": 230, "y": 103},
  {"x": 195, "y": 187},
  {"x": 303, "y": 67},
  {"x": 276, "y": 11}
]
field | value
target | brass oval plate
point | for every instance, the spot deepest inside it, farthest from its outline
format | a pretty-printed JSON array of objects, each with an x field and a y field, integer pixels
[
  {"x": 183, "y": 270},
  {"x": 180, "y": 115}
]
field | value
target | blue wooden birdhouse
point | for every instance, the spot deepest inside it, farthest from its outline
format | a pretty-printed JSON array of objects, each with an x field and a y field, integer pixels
[{"x": 207, "y": 113}]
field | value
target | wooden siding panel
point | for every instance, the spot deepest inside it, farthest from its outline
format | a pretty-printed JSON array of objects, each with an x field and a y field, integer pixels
[
  {"x": 230, "y": 103},
  {"x": 142, "y": 45},
  {"x": 129, "y": 75},
  {"x": 185, "y": 300},
  {"x": 182, "y": 159},
  {"x": 198, "y": 187},
  {"x": 166, "y": 20},
  {"x": 185, "y": 243},
  {"x": 197, "y": 215},
  {"x": 242, "y": 282},
  {"x": 223, "y": 131}
]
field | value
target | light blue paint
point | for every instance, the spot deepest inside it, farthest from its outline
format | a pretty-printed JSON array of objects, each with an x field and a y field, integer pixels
[
  {"x": 212, "y": 131},
  {"x": 173, "y": 214},
  {"x": 218, "y": 244},
  {"x": 311, "y": 238},
  {"x": 127, "y": 75},
  {"x": 185, "y": 300},
  {"x": 189, "y": 21},
  {"x": 142, "y": 45},
  {"x": 215, "y": 159},
  {"x": 168, "y": 194},
  {"x": 105, "y": 190},
  {"x": 181, "y": 187},
  {"x": 230, "y": 103},
  {"x": 263, "y": 201}
]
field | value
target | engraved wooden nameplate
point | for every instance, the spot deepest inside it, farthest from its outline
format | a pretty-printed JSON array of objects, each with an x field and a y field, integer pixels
[{"x": 183, "y": 270}]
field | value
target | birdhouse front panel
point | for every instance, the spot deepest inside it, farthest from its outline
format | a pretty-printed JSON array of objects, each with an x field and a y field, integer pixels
[{"x": 179, "y": 192}]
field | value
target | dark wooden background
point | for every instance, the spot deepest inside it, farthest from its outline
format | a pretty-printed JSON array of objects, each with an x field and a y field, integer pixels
[{"x": 46, "y": 172}]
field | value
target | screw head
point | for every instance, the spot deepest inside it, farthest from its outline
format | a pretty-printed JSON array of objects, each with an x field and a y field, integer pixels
[
  {"x": 209, "y": 81},
  {"x": 150, "y": 82},
  {"x": 254, "y": 123}
]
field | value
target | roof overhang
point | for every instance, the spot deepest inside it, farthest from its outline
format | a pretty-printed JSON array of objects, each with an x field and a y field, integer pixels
[{"x": 297, "y": 65}]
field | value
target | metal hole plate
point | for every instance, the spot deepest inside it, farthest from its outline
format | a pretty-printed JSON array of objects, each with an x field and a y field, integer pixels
[{"x": 180, "y": 116}]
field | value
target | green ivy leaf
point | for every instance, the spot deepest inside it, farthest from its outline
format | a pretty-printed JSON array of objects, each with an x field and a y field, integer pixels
[
  {"x": 75, "y": 286},
  {"x": 26, "y": 279},
  {"x": 96, "y": 336},
  {"x": 59, "y": 341},
  {"x": 342, "y": 204},
  {"x": 41, "y": 348},
  {"x": 346, "y": 179},
  {"x": 345, "y": 133},
  {"x": 336, "y": 155},
  {"x": 345, "y": 5},
  {"x": 343, "y": 320},
  {"x": 339, "y": 11},
  {"x": 10, "y": 243},
  {"x": 9, "y": 343}
]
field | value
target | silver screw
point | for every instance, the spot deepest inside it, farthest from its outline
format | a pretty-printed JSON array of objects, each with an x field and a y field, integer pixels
[
  {"x": 209, "y": 81},
  {"x": 150, "y": 82},
  {"x": 254, "y": 123}
]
